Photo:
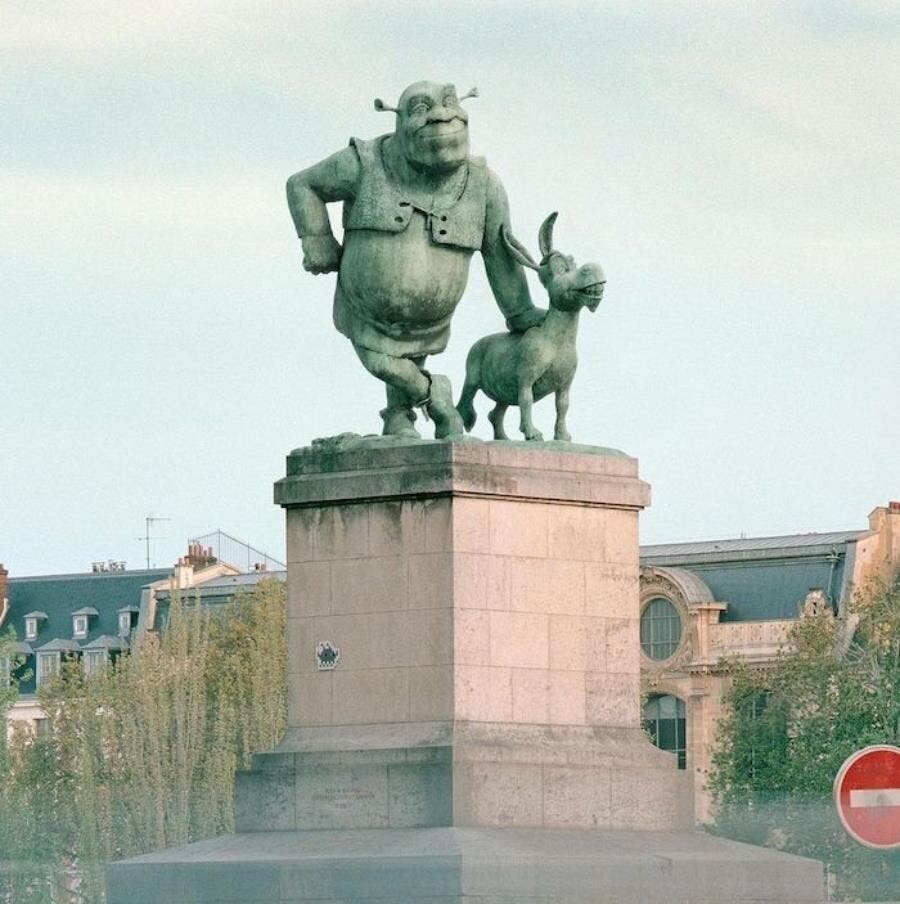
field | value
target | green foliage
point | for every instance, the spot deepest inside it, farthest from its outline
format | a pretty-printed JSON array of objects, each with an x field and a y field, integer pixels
[
  {"x": 142, "y": 755},
  {"x": 790, "y": 727}
]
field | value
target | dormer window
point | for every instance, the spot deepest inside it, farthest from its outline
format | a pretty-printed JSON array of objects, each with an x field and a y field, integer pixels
[
  {"x": 48, "y": 665},
  {"x": 33, "y": 621},
  {"x": 81, "y": 622},
  {"x": 127, "y": 615}
]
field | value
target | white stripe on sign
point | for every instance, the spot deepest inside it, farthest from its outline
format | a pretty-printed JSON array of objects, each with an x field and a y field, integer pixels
[{"x": 875, "y": 797}]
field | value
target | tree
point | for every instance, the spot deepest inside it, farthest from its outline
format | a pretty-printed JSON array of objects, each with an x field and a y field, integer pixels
[
  {"x": 142, "y": 755},
  {"x": 791, "y": 726}
]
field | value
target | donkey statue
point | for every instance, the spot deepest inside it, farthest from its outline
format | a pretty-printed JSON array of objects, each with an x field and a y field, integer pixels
[{"x": 520, "y": 368}]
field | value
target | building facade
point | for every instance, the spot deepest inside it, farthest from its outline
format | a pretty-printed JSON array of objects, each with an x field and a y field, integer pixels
[
  {"x": 705, "y": 602},
  {"x": 89, "y": 617}
]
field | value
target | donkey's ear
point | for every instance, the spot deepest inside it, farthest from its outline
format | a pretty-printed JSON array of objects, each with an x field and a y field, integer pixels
[
  {"x": 545, "y": 239},
  {"x": 517, "y": 249}
]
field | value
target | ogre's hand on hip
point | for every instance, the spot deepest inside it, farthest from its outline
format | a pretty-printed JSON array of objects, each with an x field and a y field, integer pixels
[{"x": 321, "y": 253}]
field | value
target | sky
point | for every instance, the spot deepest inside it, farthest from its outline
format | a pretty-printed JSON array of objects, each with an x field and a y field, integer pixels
[{"x": 732, "y": 166}]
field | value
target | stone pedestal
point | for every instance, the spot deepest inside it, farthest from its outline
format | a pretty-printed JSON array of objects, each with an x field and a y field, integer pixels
[{"x": 464, "y": 716}]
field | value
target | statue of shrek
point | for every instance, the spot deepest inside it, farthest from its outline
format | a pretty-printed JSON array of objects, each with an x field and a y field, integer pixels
[{"x": 416, "y": 207}]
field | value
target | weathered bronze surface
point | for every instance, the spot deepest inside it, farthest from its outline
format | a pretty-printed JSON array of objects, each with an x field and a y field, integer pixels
[
  {"x": 417, "y": 206},
  {"x": 519, "y": 369}
]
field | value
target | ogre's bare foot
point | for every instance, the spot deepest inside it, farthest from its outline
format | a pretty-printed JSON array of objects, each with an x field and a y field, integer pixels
[
  {"x": 399, "y": 422},
  {"x": 439, "y": 406}
]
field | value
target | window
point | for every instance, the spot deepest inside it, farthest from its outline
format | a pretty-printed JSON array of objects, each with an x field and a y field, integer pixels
[
  {"x": 79, "y": 625},
  {"x": 31, "y": 627},
  {"x": 94, "y": 661},
  {"x": 47, "y": 666},
  {"x": 124, "y": 624},
  {"x": 660, "y": 629},
  {"x": 664, "y": 721}
]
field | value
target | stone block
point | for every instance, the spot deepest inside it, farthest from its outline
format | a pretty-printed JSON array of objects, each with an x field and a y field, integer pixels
[
  {"x": 577, "y": 532},
  {"x": 546, "y": 585},
  {"x": 342, "y": 796},
  {"x": 576, "y": 797},
  {"x": 620, "y": 537},
  {"x": 431, "y": 694},
  {"x": 371, "y": 695},
  {"x": 548, "y": 697},
  {"x": 472, "y": 637},
  {"x": 309, "y": 588},
  {"x": 481, "y": 581},
  {"x": 459, "y": 865},
  {"x": 420, "y": 794},
  {"x": 518, "y": 529},
  {"x": 611, "y": 591},
  {"x": 483, "y": 693},
  {"x": 623, "y": 645},
  {"x": 431, "y": 580},
  {"x": 519, "y": 639},
  {"x": 438, "y": 535},
  {"x": 332, "y": 532},
  {"x": 612, "y": 699},
  {"x": 471, "y": 525},
  {"x": 396, "y": 528},
  {"x": 369, "y": 585},
  {"x": 264, "y": 796},
  {"x": 497, "y": 794},
  {"x": 311, "y": 699},
  {"x": 578, "y": 643}
]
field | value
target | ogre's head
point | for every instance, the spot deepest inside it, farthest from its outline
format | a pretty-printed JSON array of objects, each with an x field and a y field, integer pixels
[{"x": 432, "y": 127}]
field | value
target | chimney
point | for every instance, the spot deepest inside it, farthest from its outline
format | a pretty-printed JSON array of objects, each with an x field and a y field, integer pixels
[
  {"x": 199, "y": 556},
  {"x": 184, "y": 574}
]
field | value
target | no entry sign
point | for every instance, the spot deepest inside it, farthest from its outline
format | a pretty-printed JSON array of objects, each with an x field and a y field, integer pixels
[{"x": 867, "y": 795}]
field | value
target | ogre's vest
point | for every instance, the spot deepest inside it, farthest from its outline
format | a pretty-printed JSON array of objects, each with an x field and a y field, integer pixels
[{"x": 383, "y": 205}]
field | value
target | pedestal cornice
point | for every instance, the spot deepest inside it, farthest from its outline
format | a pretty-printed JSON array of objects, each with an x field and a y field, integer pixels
[{"x": 371, "y": 469}]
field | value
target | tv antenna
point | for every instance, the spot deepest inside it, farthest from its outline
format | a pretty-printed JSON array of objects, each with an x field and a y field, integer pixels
[{"x": 149, "y": 521}]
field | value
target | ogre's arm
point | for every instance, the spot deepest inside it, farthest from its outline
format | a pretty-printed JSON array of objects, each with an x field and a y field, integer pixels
[
  {"x": 334, "y": 179},
  {"x": 506, "y": 276}
]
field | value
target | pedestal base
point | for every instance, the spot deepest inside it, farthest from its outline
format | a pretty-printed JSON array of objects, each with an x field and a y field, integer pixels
[{"x": 455, "y": 865}]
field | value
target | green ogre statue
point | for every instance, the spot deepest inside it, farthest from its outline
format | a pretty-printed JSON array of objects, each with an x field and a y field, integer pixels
[{"x": 416, "y": 207}]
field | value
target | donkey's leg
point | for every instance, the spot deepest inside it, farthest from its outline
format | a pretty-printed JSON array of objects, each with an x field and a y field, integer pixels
[
  {"x": 526, "y": 402},
  {"x": 496, "y": 418},
  {"x": 562, "y": 407}
]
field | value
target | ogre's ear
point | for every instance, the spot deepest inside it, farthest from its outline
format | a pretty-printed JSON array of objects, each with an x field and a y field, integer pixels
[
  {"x": 517, "y": 249},
  {"x": 382, "y": 107}
]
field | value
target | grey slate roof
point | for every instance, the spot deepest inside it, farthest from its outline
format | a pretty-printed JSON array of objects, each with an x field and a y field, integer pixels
[
  {"x": 692, "y": 586},
  {"x": 106, "y": 642},
  {"x": 59, "y": 645},
  {"x": 749, "y": 547},
  {"x": 60, "y": 596},
  {"x": 764, "y": 578},
  {"x": 225, "y": 588}
]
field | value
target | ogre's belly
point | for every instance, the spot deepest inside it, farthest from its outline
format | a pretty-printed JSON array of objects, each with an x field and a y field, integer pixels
[{"x": 402, "y": 277}]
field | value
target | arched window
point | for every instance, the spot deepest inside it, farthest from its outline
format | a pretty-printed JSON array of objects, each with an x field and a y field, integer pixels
[
  {"x": 665, "y": 722},
  {"x": 660, "y": 628}
]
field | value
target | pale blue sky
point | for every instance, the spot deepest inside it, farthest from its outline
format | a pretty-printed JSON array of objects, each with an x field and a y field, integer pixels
[{"x": 733, "y": 166}]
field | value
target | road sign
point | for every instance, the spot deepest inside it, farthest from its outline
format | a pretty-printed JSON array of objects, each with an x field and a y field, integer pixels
[{"x": 867, "y": 796}]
